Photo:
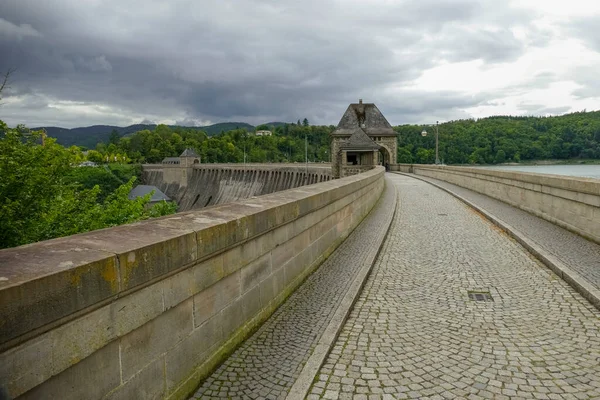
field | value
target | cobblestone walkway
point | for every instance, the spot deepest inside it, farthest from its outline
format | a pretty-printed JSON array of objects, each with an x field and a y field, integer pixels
[
  {"x": 414, "y": 332},
  {"x": 579, "y": 254},
  {"x": 267, "y": 364}
]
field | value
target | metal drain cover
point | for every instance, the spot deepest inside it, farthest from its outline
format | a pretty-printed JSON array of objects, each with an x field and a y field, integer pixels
[{"x": 480, "y": 296}]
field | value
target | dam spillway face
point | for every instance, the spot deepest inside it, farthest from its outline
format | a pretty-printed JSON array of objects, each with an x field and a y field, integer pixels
[{"x": 206, "y": 185}]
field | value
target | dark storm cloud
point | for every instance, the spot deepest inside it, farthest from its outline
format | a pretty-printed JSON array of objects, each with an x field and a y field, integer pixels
[
  {"x": 254, "y": 61},
  {"x": 491, "y": 46}
]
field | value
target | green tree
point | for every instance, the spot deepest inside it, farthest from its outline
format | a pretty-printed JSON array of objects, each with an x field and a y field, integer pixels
[
  {"x": 42, "y": 195},
  {"x": 425, "y": 156},
  {"x": 404, "y": 155},
  {"x": 500, "y": 157},
  {"x": 31, "y": 183},
  {"x": 89, "y": 177},
  {"x": 114, "y": 137},
  {"x": 95, "y": 156}
]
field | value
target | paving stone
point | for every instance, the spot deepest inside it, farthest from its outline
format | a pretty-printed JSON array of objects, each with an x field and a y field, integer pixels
[
  {"x": 578, "y": 253},
  {"x": 270, "y": 360},
  {"x": 415, "y": 314}
]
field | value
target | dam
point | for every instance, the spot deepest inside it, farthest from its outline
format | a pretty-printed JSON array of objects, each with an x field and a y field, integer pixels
[
  {"x": 405, "y": 283},
  {"x": 203, "y": 185},
  {"x": 276, "y": 281}
]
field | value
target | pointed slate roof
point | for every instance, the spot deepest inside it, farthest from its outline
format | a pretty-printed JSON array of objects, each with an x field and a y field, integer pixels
[
  {"x": 359, "y": 141},
  {"x": 374, "y": 122},
  {"x": 189, "y": 153}
]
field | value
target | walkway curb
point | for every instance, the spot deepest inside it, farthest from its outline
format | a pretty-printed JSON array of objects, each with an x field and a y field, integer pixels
[
  {"x": 300, "y": 389},
  {"x": 575, "y": 280}
]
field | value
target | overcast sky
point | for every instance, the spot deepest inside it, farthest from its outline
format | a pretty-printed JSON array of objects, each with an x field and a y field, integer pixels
[{"x": 196, "y": 62}]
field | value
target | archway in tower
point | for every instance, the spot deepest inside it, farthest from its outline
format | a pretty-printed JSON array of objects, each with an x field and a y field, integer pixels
[{"x": 384, "y": 157}]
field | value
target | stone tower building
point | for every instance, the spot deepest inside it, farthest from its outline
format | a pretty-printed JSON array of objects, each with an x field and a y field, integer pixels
[
  {"x": 189, "y": 158},
  {"x": 362, "y": 140}
]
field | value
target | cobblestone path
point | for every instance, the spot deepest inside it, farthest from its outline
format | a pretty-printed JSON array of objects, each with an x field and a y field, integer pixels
[
  {"x": 579, "y": 254},
  {"x": 267, "y": 364},
  {"x": 414, "y": 332}
]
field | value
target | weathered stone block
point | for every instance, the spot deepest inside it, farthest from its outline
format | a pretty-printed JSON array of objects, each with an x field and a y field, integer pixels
[
  {"x": 207, "y": 273},
  {"x": 149, "y": 383},
  {"x": 252, "y": 274},
  {"x": 177, "y": 288},
  {"x": 146, "y": 343},
  {"x": 218, "y": 237},
  {"x": 278, "y": 280},
  {"x": 79, "y": 338},
  {"x": 251, "y": 302},
  {"x": 50, "y": 280},
  {"x": 213, "y": 299},
  {"x": 247, "y": 252},
  {"x": 131, "y": 312},
  {"x": 232, "y": 317},
  {"x": 145, "y": 249},
  {"x": 296, "y": 265},
  {"x": 26, "y": 366},
  {"x": 192, "y": 351},
  {"x": 267, "y": 290},
  {"x": 101, "y": 368},
  {"x": 76, "y": 340}
]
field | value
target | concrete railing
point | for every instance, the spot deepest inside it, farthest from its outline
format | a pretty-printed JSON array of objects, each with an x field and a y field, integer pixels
[
  {"x": 147, "y": 310},
  {"x": 570, "y": 202}
]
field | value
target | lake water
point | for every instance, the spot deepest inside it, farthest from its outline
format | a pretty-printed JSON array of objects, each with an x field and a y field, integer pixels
[{"x": 586, "y": 171}]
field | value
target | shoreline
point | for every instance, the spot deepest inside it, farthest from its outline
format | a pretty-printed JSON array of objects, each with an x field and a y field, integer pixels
[{"x": 547, "y": 162}]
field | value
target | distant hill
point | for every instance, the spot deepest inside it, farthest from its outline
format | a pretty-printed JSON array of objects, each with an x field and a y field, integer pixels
[
  {"x": 89, "y": 136},
  {"x": 225, "y": 126}
]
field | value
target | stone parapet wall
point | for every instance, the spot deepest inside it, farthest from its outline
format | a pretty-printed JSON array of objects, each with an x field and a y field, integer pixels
[
  {"x": 408, "y": 168},
  {"x": 570, "y": 202},
  {"x": 146, "y": 310},
  {"x": 348, "y": 170}
]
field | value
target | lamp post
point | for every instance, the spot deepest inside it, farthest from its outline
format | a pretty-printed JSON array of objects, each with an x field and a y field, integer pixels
[
  {"x": 437, "y": 153},
  {"x": 306, "y": 154}
]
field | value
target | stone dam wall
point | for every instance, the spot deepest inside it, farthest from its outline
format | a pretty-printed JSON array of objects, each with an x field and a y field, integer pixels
[
  {"x": 570, "y": 202},
  {"x": 206, "y": 185},
  {"x": 147, "y": 310}
]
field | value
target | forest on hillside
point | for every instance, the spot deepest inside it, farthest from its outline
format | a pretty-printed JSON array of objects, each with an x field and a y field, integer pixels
[
  {"x": 503, "y": 139},
  {"x": 287, "y": 144},
  {"x": 490, "y": 140}
]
